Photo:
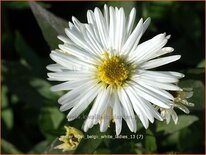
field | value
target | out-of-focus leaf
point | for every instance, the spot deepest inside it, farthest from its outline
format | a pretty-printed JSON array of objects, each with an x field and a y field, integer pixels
[
  {"x": 43, "y": 87},
  {"x": 201, "y": 64},
  {"x": 50, "y": 25},
  {"x": 89, "y": 145},
  {"x": 27, "y": 53},
  {"x": 23, "y": 5},
  {"x": 39, "y": 148},
  {"x": 171, "y": 139},
  {"x": 150, "y": 142},
  {"x": 196, "y": 71},
  {"x": 20, "y": 84},
  {"x": 8, "y": 148},
  {"x": 7, "y": 115},
  {"x": 50, "y": 119},
  {"x": 198, "y": 96},
  {"x": 102, "y": 151},
  {"x": 183, "y": 122}
]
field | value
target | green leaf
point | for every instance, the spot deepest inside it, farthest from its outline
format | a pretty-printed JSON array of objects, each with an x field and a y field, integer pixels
[
  {"x": 89, "y": 145},
  {"x": 51, "y": 26},
  {"x": 39, "y": 148},
  {"x": 198, "y": 96},
  {"x": 26, "y": 52},
  {"x": 8, "y": 148},
  {"x": 20, "y": 84},
  {"x": 183, "y": 122},
  {"x": 102, "y": 151},
  {"x": 201, "y": 64},
  {"x": 43, "y": 88},
  {"x": 49, "y": 120},
  {"x": 7, "y": 115},
  {"x": 150, "y": 142}
]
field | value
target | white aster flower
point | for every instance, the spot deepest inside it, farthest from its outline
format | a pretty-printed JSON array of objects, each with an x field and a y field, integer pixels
[
  {"x": 103, "y": 64},
  {"x": 180, "y": 102}
]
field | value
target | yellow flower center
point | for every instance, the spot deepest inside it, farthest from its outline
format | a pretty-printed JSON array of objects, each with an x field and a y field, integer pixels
[{"x": 114, "y": 70}]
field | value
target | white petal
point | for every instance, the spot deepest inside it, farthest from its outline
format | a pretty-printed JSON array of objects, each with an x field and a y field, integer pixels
[
  {"x": 129, "y": 113},
  {"x": 139, "y": 108},
  {"x": 101, "y": 103},
  {"x": 64, "y": 39},
  {"x": 55, "y": 67},
  {"x": 133, "y": 37},
  {"x": 131, "y": 20},
  {"x": 121, "y": 26},
  {"x": 112, "y": 27},
  {"x": 78, "y": 39},
  {"x": 147, "y": 49},
  {"x": 163, "y": 51},
  {"x": 80, "y": 53},
  {"x": 174, "y": 116},
  {"x": 166, "y": 86},
  {"x": 155, "y": 76},
  {"x": 91, "y": 20},
  {"x": 106, "y": 16},
  {"x": 69, "y": 61},
  {"x": 100, "y": 21},
  {"x": 105, "y": 120},
  {"x": 152, "y": 97},
  {"x": 68, "y": 85},
  {"x": 183, "y": 108},
  {"x": 75, "y": 92},
  {"x": 117, "y": 114},
  {"x": 69, "y": 75},
  {"x": 157, "y": 90},
  {"x": 83, "y": 103},
  {"x": 160, "y": 62}
]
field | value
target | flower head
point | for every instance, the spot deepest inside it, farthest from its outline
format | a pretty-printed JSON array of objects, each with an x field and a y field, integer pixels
[
  {"x": 180, "y": 102},
  {"x": 70, "y": 140},
  {"x": 103, "y": 63}
]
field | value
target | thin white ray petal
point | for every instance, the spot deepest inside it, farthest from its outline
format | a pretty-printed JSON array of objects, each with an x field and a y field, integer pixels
[
  {"x": 174, "y": 116},
  {"x": 147, "y": 49},
  {"x": 159, "y": 62},
  {"x": 166, "y": 86},
  {"x": 105, "y": 120},
  {"x": 64, "y": 39},
  {"x": 129, "y": 113},
  {"x": 152, "y": 97},
  {"x": 163, "y": 51},
  {"x": 75, "y": 92},
  {"x": 68, "y": 85},
  {"x": 100, "y": 21},
  {"x": 133, "y": 37},
  {"x": 156, "y": 76},
  {"x": 117, "y": 114},
  {"x": 78, "y": 38},
  {"x": 55, "y": 67},
  {"x": 83, "y": 103},
  {"x": 131, "y": 20},
  {"x": 112, "y": 27},
  {"x": 101, "y": 103},
  {"x": 106, "y": 16},
  {"x": 139, "y": 109},
  {"x": 157, "y": 90},
  {"x": 80, "y": 53},
  {"x": 144, "y": 27},
  {"x": 70, "y": 75},
  {"x": 70, "y": 62}
]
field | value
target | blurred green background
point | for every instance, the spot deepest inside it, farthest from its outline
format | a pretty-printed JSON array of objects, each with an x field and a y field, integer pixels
[{"x": 30, "y": 117}]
